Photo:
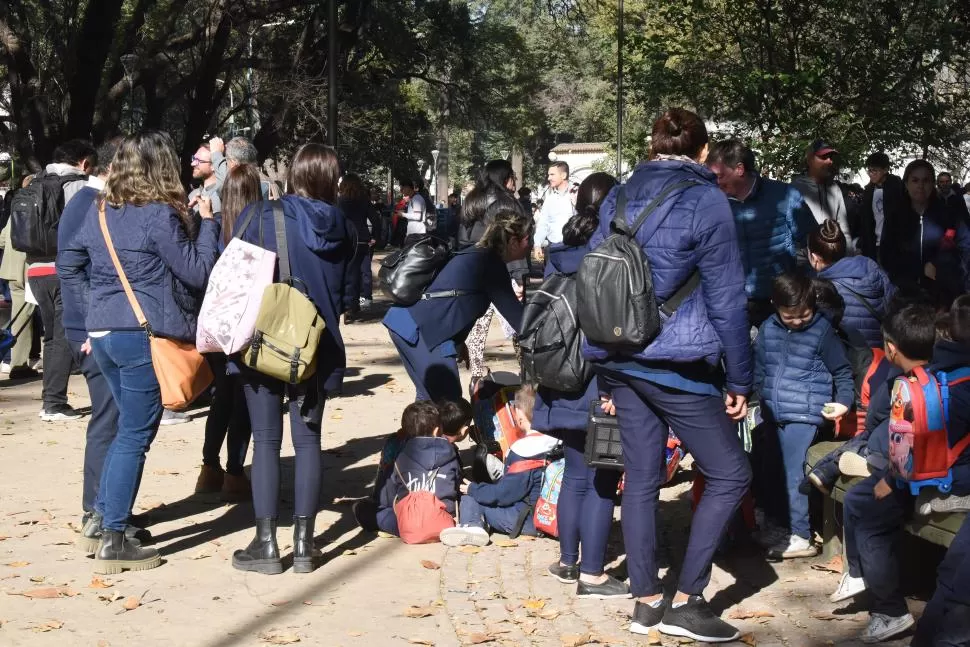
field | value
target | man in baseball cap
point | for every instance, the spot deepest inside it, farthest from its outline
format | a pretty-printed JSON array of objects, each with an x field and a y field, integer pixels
[{"x": 826, "y": 197}]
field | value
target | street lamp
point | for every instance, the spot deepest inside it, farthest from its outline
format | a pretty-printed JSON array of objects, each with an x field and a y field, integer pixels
[
  {"x": 434, "y": 175},
  {"x": 126, "y": 60}
]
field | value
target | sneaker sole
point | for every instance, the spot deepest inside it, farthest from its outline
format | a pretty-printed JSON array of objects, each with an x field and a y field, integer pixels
[
  {"x": 88, "y": 544},
  {"x": 637, "y": 628},
  {"x": 817, "y": 482},
  {"x": 262, "y": 566},
  {"x": 604, "y": 596},
  {"x": 845, "y": 596},
  {"x": 456, "y": 540},
  {"x": 889, "y": 634},
  {"x": 798, "y": 554},
  {"x": 562, "y": 579},
  {"x": 116, "y": 566},
  {"x": 58, "y": 417},
  {"x": 674, "y": 630}
]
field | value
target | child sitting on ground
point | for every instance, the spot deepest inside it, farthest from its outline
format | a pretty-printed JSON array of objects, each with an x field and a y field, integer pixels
[
  {"x": 799, "y": 362},
  {"x": 428, "y": 462},
  {"x": 876, "y": 507},
  {"x": 505, "y": 506}
]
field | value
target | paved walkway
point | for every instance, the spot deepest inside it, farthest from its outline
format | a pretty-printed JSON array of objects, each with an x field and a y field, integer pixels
[{"x": 371, "y": 591}]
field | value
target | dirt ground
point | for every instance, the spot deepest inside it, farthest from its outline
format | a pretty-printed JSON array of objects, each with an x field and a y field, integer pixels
[{"x": 370, "y": 591}]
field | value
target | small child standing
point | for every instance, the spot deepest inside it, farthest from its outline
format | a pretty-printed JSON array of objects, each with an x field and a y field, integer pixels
[
  {"x": 505, "y": 506},
  {"x": 799, "y": 362}
]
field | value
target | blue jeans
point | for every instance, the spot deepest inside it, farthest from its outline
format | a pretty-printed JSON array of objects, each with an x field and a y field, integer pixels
[
  {"x": 435, "y": 375},
  {"x": 228, "y": 419},
  {"x": 586, "y": 504},
  {"x": 102, "y": 424},
  {"x": 646, "y": 412},
  {"x": 783, "y": 466},
  {"x": 946, "y": 619},
  {"x": 126, "y": 363}
]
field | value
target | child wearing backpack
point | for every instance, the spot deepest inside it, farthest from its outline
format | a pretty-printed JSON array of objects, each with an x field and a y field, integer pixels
[
  {"x": 507, "y": 505},
  {"x": 804, "y": 378},
  {"x": 877, "y": 507}
]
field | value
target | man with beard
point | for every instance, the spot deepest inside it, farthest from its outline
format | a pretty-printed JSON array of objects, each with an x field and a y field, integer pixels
[{"x": 825, "y": 196}]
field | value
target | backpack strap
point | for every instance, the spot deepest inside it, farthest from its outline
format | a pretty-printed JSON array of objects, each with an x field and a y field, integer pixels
[
  {"x": 282, "y": 251},
  {"x": 256, "y": 207},
  {"x": 861, "y": 299},
  {"x": 526, "y": 465},
  {"x": 619, "y": 219},
  {"x": 445, "y": 294},
  {"x": 669, "y": 307}
]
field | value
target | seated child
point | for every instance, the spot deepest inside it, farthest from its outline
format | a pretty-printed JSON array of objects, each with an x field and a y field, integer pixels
[
  {"x": 799, "y": 362},
  {"x": 507, "y": 505},
  {"x": 428, "y": 461},
  {"x": 877, "y": 507}
]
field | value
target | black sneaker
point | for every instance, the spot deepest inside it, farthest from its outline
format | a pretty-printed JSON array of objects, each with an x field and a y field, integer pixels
[
  {"x": 565, "y": 574},
  {"x": 694, "y": 619},
  {"x": 611, "y": 588},
  {"x": 60, "y": 413},
  {"x": 646, "y": 617},
  {"x": 23, "y": 373},
  {"x": 365, "y": 512}
]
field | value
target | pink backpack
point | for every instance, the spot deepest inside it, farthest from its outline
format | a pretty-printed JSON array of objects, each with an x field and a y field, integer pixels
[
  {"x": 421, "y": 516},
  {"x": 233, "y": 296}
]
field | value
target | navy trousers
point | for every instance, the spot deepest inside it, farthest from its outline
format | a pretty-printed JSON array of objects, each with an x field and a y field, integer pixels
[
  {"x": 435, "y": 374},
  {"x": 228, "y": 419},
  {"x": 367, "y": 275},
  {"x": 501, "y": 519},
  {"x": 353, "y": 278},
  {"x": 586, "y": 503},
  {"x": 946, "y": 619},
  {"x": 645, "y": 413},
  {"x": 102, "y": 424}
]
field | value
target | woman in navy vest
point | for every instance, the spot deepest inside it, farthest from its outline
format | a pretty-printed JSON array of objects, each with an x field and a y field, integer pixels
[
  {"x": 426, "y": 333},
  {"x": 319, "y": 249},
  {"x": 676, "y": 382}
]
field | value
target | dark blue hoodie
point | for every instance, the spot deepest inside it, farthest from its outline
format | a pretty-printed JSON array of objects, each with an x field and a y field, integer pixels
[
  {"x": 319, "y": 247},
  {"x": 857, "y": 278},
  {"x": 555, "y": 409},
  {"x": 426, "y": 463},
  {"x": 75, "y": 294}
]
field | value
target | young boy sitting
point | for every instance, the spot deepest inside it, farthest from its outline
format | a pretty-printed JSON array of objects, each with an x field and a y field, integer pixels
[
  {"x": 877, "y": 507},
  {"x": 799, "y": 362},
  {"x": 427, "y": 462},
  {"x": 505, "y": 506}
]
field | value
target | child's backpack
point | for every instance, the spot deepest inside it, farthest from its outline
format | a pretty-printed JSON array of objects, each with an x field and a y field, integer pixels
[
  {"x": 546, "y": 516},
  {"x": 406, "y": 274},
  {"x": 551, "y": 341},
  {"x": 234, "y": 293},
  {"x": 421, "y": 516},
  {"x": 35, "y": 213},
  {"x": 616, "y": 304},
  {"x": 493, "y": 407},
  {"x": 288, "y": 326},
  {"x": 854, "y": 422},
  {"x": 919, "y": 451}
]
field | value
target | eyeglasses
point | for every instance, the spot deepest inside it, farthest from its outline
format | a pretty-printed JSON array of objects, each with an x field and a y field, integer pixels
[{"x": 199, "y": 160}]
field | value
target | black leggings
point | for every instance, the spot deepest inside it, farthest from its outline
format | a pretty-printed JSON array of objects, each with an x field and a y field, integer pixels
[{"x": 264, "y": 398}]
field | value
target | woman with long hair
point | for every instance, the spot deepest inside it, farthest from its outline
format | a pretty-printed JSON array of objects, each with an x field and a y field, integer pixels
[
  {"x": 228, "y": 419},
  {"x": 926, "y": 241},
  {"x": 146, "y": 214},
  {"x": 319, "y": 247},
  {"x": 355, "y": 204}
]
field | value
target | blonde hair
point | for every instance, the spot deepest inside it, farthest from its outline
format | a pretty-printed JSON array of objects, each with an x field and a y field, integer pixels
[
  {"x": 525, "y": 400},
  {"x": 146, "y": 169}
]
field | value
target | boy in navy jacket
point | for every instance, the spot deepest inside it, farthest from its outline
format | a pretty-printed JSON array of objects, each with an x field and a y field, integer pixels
[{"x": 799, "y": 363}]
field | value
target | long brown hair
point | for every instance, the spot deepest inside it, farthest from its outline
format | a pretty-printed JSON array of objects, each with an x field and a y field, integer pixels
[
  {"x": 146, "y": 169},
  {"x": 241, "y": 188},
  {"x": 314, "y": 173},
  {"x": 352, "y": 189}
]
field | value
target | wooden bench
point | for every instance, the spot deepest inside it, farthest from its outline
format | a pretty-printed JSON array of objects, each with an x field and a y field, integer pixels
[{"x": 939, "y": 528}]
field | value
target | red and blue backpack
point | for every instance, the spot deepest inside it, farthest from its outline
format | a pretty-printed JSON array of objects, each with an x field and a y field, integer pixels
[{"x": 919, "y": 451}]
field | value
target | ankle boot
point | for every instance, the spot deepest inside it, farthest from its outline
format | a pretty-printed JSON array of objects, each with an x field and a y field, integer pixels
[
  {"x": 263, "y": 554},
  {"x": 303, "y": 551},
  {"x": 91, "y": 535},
  {"x": 117, "y": 553}
]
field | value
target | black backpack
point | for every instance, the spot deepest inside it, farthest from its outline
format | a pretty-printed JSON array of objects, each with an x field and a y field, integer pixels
[
  {"x": 406, "y": 274},
  {"x": 35, "y": 213},
  {"x": 550, "y": 340},
  {"x": 617, "y": 306}
]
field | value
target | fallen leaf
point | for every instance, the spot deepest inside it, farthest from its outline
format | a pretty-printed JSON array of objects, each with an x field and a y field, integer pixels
[
  {"x": 478, "y": 638},
  {"x": 431, "y": 566},
  {"x": 200, "y": 555},
  {"x": 749, "y": 639},
  {"x": 505, "y": 543},
  {"x": 280, "y": 603},
  {"x": 653, "y": 637},
  {"x": 550, "y": 614},
  {"x": 275, "y": 638},
  {"x": 471, "y": 550},
  {"x": 337, "y": 416},
  {"x": 834, "y": 565},
  {"x": 50, "y": 625},
  {"x": 355, "y": 634},
  {"x": 132, "y": 603},
  {"x": 385, "y": 535},
  {"x": 827, "y": 616},
  {"x": 110, "y": 597},
  {"x": 575, "y": 640},
  {"x": 742, "y": 614},
  {"x": 418, "y": 612},
  {"x": 534, "y": 605},
  {"x": 39, "y": 579},
  {"x": 349, "y": 552},
  {"x": 98, "y": 583},
  {"x": 18, "y": 564},
  {"x": 421, "y": 641},
  {"x": 4, "y": 537},
  {"x": 48, "y": 593}
]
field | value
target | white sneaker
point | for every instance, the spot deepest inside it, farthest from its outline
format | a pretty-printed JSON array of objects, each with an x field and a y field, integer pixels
[
  {"x": 464, "y": 536},
  {"x": 851, "y": 464},
  {"x": 175, "y": 418},
  {"x": 795, "y": 547},
  {"x": 365, "y": 303},
  {"x": 4, "y": 367},
  {"x": 882, "y": 627},
  {"x": 849, "y": 587}
]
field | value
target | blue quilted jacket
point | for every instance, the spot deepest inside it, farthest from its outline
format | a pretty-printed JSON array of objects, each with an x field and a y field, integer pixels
[
  {"x": 798, "y": 371},
  {"x": 692, "y": 230},
  {"x": 772, "y": 225},
  {"x": 862, "y": 275}
]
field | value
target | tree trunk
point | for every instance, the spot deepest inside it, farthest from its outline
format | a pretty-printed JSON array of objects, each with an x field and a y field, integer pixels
[{"x": 93, "y": 47}]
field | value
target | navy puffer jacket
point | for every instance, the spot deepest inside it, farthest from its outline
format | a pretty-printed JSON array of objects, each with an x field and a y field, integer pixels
[
  {"x": 857, "y": 278},
  {"x": 556, "y": 410},
  {"x": 799, "y": 371},
  {"x": 696, "y": 232}
]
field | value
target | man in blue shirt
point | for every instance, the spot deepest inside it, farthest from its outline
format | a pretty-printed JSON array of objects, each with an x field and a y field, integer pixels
[{"x": 771, "y": 219}]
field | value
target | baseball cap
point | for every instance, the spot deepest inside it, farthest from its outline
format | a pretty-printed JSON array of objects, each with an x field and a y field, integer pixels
[{"x": 821, "y": 147}]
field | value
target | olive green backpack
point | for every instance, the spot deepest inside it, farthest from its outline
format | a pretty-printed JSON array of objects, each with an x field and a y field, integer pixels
[{"x": 288, "y": 326}]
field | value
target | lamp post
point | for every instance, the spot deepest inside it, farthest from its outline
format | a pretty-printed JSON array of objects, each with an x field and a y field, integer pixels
[
  {"x": 434, "y": 174},
  {"x": 619, "y": 90}
]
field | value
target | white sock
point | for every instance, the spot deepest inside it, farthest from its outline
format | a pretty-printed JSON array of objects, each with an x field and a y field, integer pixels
[{"x": 655, "y": 604}]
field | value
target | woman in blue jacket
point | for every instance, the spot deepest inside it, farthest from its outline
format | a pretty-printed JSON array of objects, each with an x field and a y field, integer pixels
[
  {"x": 925, "y": 241},
  {"x": 319, "y": 248},
  {"x": 587, "y": 497},
  {"x": 861, "y": 283},
  {"x": 676, "y": 381},
  {"x": 146, "y": 212},
  {"x": 426, "y": 333}
]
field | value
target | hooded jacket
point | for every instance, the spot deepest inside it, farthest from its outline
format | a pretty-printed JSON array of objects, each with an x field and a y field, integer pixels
[
  {"x": 833, "y": 201},
  {"x": 692, "y": 230},
  {"x": 426, "y": 463},
  {"x": 75, "y": 295},
  {"x": 554, "y": 409},
  {"x": 319, "y": 247},
  {"x": 948, "y": 356},
  {"x": 893, "y": 197},
  {"x": 857, "y": 278}
]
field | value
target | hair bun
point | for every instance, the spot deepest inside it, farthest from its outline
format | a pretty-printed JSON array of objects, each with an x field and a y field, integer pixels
[{"x": 830, "y": 231}]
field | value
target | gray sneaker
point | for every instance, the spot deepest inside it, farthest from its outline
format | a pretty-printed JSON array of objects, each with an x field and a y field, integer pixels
[
  {"x": 464, "y": 536},
  {"x": 882, "y": 627},
  {"x": 175, "y": 418},
  {"x": 60, "y": 413}
]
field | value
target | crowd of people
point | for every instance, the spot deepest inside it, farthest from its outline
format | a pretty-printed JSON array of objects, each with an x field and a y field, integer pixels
[{"x": 798, "y": 305}]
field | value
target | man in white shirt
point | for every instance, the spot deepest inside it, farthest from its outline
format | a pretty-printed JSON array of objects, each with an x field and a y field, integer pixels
[
  {"x": 415, "y": 213},
  {"x": 556, "y": 210}
]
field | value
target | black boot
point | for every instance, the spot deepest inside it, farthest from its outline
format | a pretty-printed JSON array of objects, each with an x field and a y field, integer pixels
[
  {"x": 263, "y": 554},
  {"x": 117, "y": 553},
  {"x": 91, "y": 534},
  {"x": 303, "y": 551}
]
